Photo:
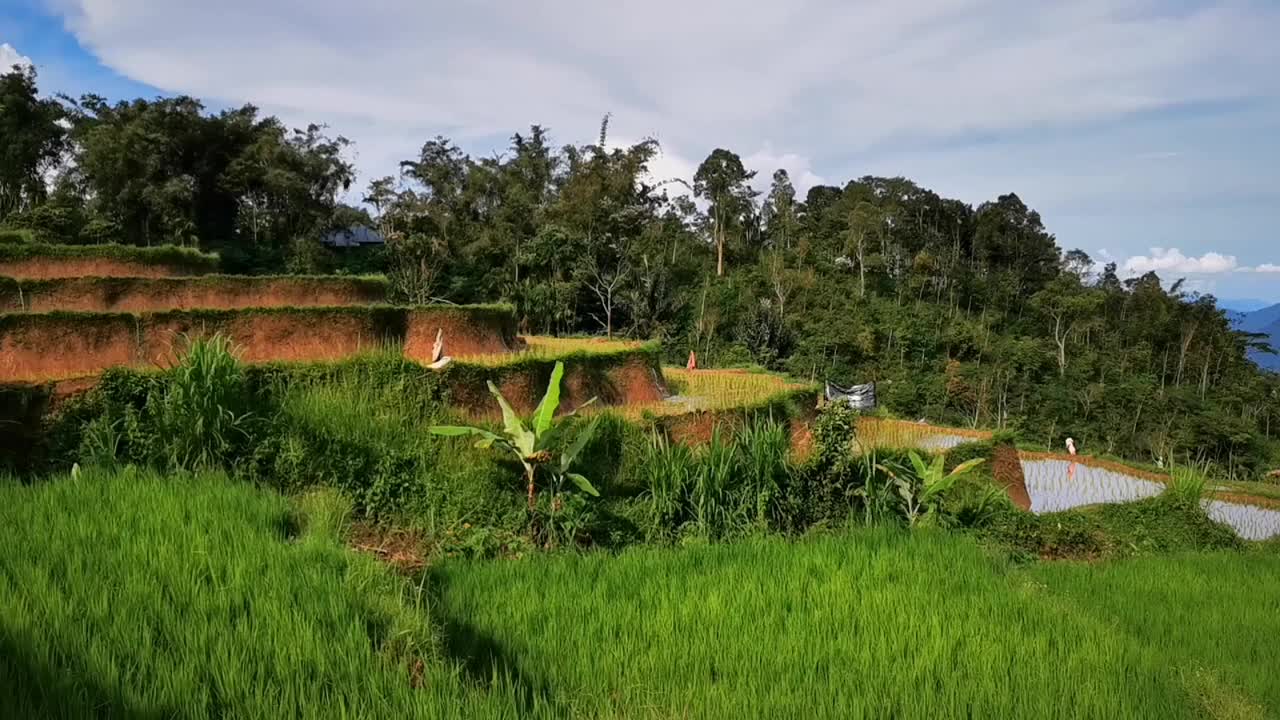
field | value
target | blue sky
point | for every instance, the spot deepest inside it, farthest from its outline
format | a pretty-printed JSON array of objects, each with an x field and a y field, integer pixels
[{"x": 1144, "y": 131}]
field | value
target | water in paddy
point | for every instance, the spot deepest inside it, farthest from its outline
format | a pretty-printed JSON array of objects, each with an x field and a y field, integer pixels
[
  {"x": 941, "y": 441},
  {"x": 1055, "y": 485}
]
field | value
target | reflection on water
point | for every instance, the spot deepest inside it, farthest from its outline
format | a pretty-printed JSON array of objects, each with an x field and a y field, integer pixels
[
  {"x": 1250, "y": 523},
  {"x": 1055, "y": 485},
  {"x": 1061, "y": 485},
  {"x": 938, "y": 442}
]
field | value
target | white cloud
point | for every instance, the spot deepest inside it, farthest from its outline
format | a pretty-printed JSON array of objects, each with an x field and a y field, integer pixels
[
  {"x": 1267, "y": 268},
  {"x": 10, "y": 57},
  {"x": 1171, "y": 260},
  {"x": 779, "y": 84},
  {"x": 765, "y": 161}
]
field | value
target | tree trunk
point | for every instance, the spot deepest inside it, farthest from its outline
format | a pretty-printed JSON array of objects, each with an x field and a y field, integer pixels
[
  {"x": 529, "y": 471},
  {"x": 719, "y": 253}
]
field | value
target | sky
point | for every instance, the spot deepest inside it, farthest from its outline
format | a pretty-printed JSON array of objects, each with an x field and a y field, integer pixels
[{"x": 1145, "y": 132}]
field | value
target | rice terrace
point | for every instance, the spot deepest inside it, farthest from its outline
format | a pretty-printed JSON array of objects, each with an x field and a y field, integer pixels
[{"x": 533, "y": 435}]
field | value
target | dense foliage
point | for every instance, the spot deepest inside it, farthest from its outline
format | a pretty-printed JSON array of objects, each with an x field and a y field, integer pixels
[{"x": 963, "y": 314}]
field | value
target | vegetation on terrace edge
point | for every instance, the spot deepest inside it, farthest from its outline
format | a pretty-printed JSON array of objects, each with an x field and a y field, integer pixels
[
  {"x": 533, "y": 348},
  {"x": 184, "y": 258},
  {"x": 966, "y": 315},
  {"x": 362, "y": 427},
  {"x": 372, "y": 282}
]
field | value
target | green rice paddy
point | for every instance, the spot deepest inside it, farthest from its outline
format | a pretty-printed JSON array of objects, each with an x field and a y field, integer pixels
[{"x": 131, "y": 594}]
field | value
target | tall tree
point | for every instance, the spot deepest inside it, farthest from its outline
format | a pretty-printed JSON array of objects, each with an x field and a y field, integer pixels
[
  {"x": 779, "y": 213},
  {"x": 722, "y": 181},
  {"x": 33, "y": 140}
]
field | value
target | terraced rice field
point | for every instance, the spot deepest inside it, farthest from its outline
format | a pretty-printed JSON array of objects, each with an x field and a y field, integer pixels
[
  {"x": 876, "y": 432},
  {"x": 1056, "y": 484},
  {"x": 694, "y": 390},
  {"x": 538, "y": 347}
]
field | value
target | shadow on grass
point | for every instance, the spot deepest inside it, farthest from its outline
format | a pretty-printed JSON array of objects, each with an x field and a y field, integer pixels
[
  {"x": 482, "y": 658},
  {"x": 30, "y": 688}
]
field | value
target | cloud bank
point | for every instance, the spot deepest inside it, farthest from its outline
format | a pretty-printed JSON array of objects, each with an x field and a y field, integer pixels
[
  {"x": 779, "y": 84},
  {"x": 9, "y": 57}
]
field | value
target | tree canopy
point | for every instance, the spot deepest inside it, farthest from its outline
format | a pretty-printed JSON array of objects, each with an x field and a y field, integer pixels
[{"x": 963, "y": 314}]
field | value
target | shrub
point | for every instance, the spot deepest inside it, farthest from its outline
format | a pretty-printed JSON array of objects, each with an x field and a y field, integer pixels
[
  {"x": 11, "y": 235},
  {"x": 200, "y": 415},
  {"x": 1187, "y": 486}
]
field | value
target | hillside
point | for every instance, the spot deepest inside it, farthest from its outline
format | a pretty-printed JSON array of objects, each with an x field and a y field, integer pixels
[{"x": 1266, "y": 322}]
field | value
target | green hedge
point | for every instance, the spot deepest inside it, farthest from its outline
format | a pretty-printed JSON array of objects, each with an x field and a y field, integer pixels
[
  {"x": 179, "y": 258},
  {"x": 16, "y": 235}
]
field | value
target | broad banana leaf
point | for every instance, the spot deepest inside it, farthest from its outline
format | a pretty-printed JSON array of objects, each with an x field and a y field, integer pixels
[
  {"x": 545, "y": 413},
  {"x": 583, "y": 484}
]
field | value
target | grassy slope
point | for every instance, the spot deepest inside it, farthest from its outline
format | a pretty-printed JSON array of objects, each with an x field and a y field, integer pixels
[
  {"x": 880, "y": 624},
  {"x": 143, "y": 596}
]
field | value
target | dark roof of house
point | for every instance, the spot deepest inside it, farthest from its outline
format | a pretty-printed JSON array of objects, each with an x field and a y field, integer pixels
[{"x": 353, "y": 237}]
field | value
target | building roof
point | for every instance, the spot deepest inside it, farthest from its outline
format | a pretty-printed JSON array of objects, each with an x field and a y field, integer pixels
[{"x": 356, "y": 236}]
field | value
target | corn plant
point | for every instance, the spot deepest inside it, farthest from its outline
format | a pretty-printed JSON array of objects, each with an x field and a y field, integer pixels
[
  {"x": 923, "y": 486},
  {"x": 532, "y": 444}
]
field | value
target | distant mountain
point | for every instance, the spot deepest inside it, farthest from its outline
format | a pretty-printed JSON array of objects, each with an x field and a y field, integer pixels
[
  {"x": 1242, "y": 306},
  {"x": 1266, "y": 322}
]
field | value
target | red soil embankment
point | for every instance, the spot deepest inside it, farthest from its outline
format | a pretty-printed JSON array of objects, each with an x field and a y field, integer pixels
[
  {"x": 632, "y": 380},
  {"x": 38, "y": 347},
  {"x": 1006, "y": 468},
  {"x": 46, "y": 268},
  {"x": 159, "y": 294},
  {"x": 697, "y": 427},
  {"x": 464, "y": 333}
]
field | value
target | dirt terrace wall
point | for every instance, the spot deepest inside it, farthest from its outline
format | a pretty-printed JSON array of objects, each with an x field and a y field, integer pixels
[
  {"x": 33, "y": 261},
  {"x": 797, "y": 409},
  {"x": 614, "y": 379},
  {"x": 1007, "y": 470},
  {"x": 53, "y": 346},
  {"x": 219, "y": 292}
]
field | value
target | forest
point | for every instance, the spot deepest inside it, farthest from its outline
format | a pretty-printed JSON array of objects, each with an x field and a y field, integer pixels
[{"x": 961, "y": 314}]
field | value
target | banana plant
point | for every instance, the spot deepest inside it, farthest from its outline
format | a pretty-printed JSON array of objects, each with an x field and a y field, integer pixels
[
  {"x": 923, "y": 487},
  {"x": 532, "y": 444}
]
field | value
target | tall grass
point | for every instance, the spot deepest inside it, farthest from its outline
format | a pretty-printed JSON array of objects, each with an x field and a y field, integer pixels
[
  {"x": 201, "y": 414},
  {"x": 721, "y": 489},
  {"x": 135, "y": 595},
  {"x": 1187, "y": 485}
]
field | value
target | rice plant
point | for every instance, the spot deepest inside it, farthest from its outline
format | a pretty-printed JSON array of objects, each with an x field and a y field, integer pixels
[
  {"x": 200, "y": 597},
  {"x": 875, "y": 623},
  {"x": 880, "y": 432},
  {"x": 721, "y": 389},
  {"x": 155, "y": 596},
  {"x": 551, "y": 348}
]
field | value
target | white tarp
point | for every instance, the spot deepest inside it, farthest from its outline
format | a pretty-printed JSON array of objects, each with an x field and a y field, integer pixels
[{"x": 859, "y": 397}]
